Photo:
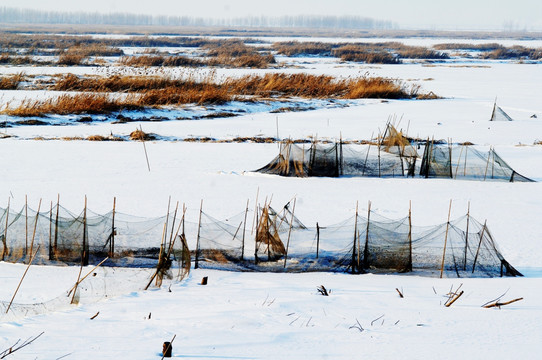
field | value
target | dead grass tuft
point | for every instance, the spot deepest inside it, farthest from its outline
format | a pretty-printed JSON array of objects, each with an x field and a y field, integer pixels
[
  {"x": 11, "y": 82},
  {"x": 141, "y": 135}
]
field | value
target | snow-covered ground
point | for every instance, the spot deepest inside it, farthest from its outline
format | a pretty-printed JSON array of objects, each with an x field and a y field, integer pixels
[{"x": 253, "y": 316}]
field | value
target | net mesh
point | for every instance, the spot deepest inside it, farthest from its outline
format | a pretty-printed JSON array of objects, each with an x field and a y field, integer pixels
[
  {"x": 463, "y": 247},
  {"x": 385, "y": 160},
  {"x": 132, "y": 253}
]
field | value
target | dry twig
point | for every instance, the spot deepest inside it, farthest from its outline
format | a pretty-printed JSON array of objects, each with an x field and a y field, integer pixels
[{"x": 16, "y": 347}]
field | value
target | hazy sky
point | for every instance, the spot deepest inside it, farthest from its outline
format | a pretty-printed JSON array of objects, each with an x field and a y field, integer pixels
[{"x": 432, "y": 14}]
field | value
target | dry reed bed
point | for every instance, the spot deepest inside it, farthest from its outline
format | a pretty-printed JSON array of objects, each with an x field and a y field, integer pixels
[
  {"x": 94, "y": 94},
  {"x": 385, "y": 52}
]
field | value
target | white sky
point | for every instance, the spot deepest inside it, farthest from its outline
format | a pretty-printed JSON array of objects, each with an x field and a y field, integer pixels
[{"x": 432, "y": 14}]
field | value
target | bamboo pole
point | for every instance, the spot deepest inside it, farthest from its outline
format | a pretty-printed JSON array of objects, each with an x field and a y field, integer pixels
[
  {"x": 289, "y": 233},
  {"x": 5, "y": 248},
  {"x": 317, "y": 239},
  {"x": 354, "y": 262},
  {"x": 466, "y": 238},
  {"x": 244, "y": 229},
  {"x": 487, "y": 164},
  {"x": 144, "y": 147},
  {"x": 256, "y": 239},
  {"x": 366, "y": 249},
  {"x": 113, "y": 231},
  {"x": 51, "y": 232},
  {"x": 164, "y": 236},
  {"x": 410, "y": 235},
  {"x": 255, "y": 211},
  {"x": 479, "y": 245},
  {"x": 22, "y": 278},
  {"x": 35, "y": 226},
  {"x": 173, "y": 222},
  {"x": 26, "y": 225},
  {"x": 367, "y": 156},
  {"x": 79, "y": 281},
  {"x": 379, "y": 145},
  {"x": 56, "y": 225},
  {"x": 445, "y": 239},
  {"x": 450, "y": 155},
  {"x": 458, "y": 161},
  {"x": 161, "y": 263},
  {"x": 465, "y": 166},
  {"x": 197, "y": 239},
  {"x": 84, "y": 255}
]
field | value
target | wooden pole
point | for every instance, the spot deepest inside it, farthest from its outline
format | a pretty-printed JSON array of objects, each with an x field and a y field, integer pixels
[
  {"x": 450, "y": 155},
  {"x": 445, "y": 239},
  {"x": 355, "y": 267},
  {"x": 26, "y": 225},
  {"x": 465, "y": 164},
  {"x": 56, "y": 226},
  {"x": 79, "y": 281},
  {"x": 173, "y": 223},
  {"x": 51, "y": 232},
  {"x": 84, "y": 255},
  {"x": 466, "y": 238},
  {"x": 379, "y": 145},
  {"x": 366, "y": 250},
  {"x": 5, "y": 249},
  {"x": 244, "y": 229},
  {"x": 144, "y": 147},
  {"x": 289, "y": 232},
  {"x": 458, "y": 161},
  {"x": 197, "y": 240},
  {"x": 113, "y": 231},
  {"x": 487, "y": 164},
  {"x": 317, "y": 239},
  {"x": 410, "y": 236},
  {"x": 164, "y": 237},
  {"x": 35, "y": 226},
  {"x": 367, "y": 156},
  {"x": 256, "y": 239},
  {"x": 255, "y": 211},
  {"x": 479, "y": 245},
  {"x": 22, "y": 278}
]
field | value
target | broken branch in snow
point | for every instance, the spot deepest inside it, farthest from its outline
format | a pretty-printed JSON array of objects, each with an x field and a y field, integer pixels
[
  {"x": 495, "y": 300},
  {"x": 453, "y": 295},
  {"x": 14, "y": 347},
  {"x": 498, "y": 304},
  {"x": 450, "y": 302},
  {"x": 378, "y": 318},
  {"x": 400, "y": 293},
  {"x": 357, "y": 326},
  {"x": 323, "y": 291},
  {"x": 94, "y": 316}
]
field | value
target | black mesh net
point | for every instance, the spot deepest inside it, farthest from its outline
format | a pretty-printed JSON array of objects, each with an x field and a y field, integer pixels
[
  {"x": 384, "y": 160},
  {"x": 278, "y": 242}
]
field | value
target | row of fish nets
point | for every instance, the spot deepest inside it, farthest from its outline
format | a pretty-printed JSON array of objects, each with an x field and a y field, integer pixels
[
  {"x": 115, "y": 253},
  {"x": 427, "y": 160},
  {"x": 278, "y": 242}
]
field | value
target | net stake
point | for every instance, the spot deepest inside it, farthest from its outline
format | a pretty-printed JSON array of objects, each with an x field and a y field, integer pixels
[
  {"x": 445, "y": 239},
  {"x": 22, "y": 278}
]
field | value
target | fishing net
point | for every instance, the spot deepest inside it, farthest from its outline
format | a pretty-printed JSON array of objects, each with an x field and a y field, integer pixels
[
  {"x": 463, "y": 247},
  {"x": 132, "y": 253}
]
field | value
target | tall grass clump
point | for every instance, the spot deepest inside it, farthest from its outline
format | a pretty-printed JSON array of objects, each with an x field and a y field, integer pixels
[
  {"x": 83, "y": 103},
  {"x": 11, "y": 82}
]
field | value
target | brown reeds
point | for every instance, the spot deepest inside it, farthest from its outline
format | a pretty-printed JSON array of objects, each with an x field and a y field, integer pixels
[
  {"x": 11, "y": 82},
  {"x": 150, "y": 91},
  {"x": 82, "y": 103}
]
